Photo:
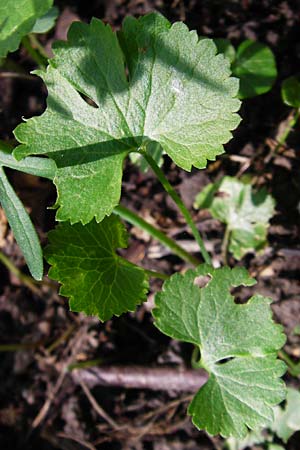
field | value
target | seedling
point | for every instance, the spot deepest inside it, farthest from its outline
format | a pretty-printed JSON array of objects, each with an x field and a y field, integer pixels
[
  {"x": 253, "y": 63},
  {"x": 111, "y": 95}
]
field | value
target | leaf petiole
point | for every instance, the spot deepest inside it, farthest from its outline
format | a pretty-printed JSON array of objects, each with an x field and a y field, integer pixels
[
  {"x": 132, "y": 218},
  {"x": 175, "y": 197}
]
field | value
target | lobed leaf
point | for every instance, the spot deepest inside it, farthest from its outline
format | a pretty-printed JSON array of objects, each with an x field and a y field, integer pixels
[
  {"x": 246, "y": 212},
  {"x": 98, "y": 281},
  {"x": 178, "y": 93},
  {"x": 238, "y": 345}
]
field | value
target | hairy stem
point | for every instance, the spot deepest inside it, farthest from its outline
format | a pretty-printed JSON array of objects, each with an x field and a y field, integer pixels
[
  {"x": 137, "y": 221},
  {"x": 175, "y": 197}
]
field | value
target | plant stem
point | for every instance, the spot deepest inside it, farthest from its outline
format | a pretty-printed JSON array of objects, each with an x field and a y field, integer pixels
[
  {"x": 27, "y": 281},
  {"x": 137, "y": 221},
  {"x": 35, "y": 54},
  {"x": 293, "y": 368},
  {"x": 153, "y": 274},
  {"x": 225, "y": 246},
  {"x": 175, "y": 197},
  {"x": 282, "y": 139}
]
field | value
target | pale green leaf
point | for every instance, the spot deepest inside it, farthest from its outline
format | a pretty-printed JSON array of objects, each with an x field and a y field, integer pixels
[
  {"x": 238, "y": 345},
  {"x": 178, "y": 93},
  {"x": 290, "y": 91},
  {"x": 96, "y": 279},
  {"x": 17, "y": 17},
  {"x": 287, "y": 419},
  {"x": 46, "y": 22},
  {"x": 255, "y": 66},
  {"x": 245, "y": 211},
  {"x": 22, "y": 227}
]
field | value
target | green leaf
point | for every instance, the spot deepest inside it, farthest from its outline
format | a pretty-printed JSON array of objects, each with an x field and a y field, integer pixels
[
  {"x": 238, "y": 345},
  {"x": 178, "y": 93},
  {"x": 17, "y": 17},
  {"x": 98, "y": 281},
  {"x": 255, "y": 66},
  {"x": 290, "y": 91},
  {"x": 287, "y": 419},
  {"x": 246, "y": 212},
  {"x": 40, "y": 167},
  {"x": 224, "y": 46},
  {"x": 46, "y": 22},
  {"x": 21, "y": 225}
]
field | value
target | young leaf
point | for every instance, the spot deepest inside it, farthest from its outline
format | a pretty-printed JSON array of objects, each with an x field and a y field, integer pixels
[
  {"x": 255, "y": 66},
  {"x": 290, "y": 91},
  {"x": 224, "y": 46},
  {"x": 178, "y": 93},
  {"x": 46, "y": 22},
  {"x": 97, "y": 280},
  {"x": 246, "y": 212},
  {"x": 287, "y": 420},
  {"x": 17, "y": 17},
  {"x": 238, "y": 345},
  {"x": 21, "y": 225}
]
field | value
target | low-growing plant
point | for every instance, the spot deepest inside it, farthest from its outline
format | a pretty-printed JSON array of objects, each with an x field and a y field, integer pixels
[{"x": 151, "y": 86}]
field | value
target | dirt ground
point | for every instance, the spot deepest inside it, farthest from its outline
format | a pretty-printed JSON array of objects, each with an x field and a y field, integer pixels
[{"x": 42, "y": 404}]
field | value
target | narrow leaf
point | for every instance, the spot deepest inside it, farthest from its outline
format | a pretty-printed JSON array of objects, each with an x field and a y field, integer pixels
[{"x": 22, "y": 227}]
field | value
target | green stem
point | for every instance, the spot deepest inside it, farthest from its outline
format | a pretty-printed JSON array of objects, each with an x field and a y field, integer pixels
[
  {"x": 153, "y": 274},
  {"x": 293, "y": 368},
  {"x": 35, "y": 54},
  {"x": 137, "y": 221},
  {"x": 225, "y": 246},
  {"x": 286, "y": 133},
  {"x": 35, "y": 43},
  {"x": 175, "y": 197},
  {"x": 27, "y": 281}
]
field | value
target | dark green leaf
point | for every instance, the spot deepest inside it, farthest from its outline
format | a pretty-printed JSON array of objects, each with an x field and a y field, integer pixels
[
  {"x": 97, "y": 280},
  {"x": 255, "y": 66},
  {"x": 290, "y": 91}
]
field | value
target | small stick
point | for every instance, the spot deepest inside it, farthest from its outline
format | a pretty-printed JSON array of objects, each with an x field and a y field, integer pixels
[
  {"x": 103, "y": 414},
  {"x": 135, "y": 377}
]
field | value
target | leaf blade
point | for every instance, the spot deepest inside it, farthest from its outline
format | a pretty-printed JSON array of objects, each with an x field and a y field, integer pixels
[
  {"x": 237, "y": 342},
  {"x": 97, "y": 280},
  {"x": 22, "y": 227}
]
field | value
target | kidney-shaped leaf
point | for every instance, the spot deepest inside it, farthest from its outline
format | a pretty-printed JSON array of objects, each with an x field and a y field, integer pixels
[
  {"x": 98, "y": 281},
  {"x": 255, "y": 66},
  {"x": 178, "y": 93},
  {"x": 238, "y": 345}
]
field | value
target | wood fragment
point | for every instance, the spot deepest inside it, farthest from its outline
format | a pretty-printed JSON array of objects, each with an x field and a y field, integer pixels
[{"x": 136, "y": 377}]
